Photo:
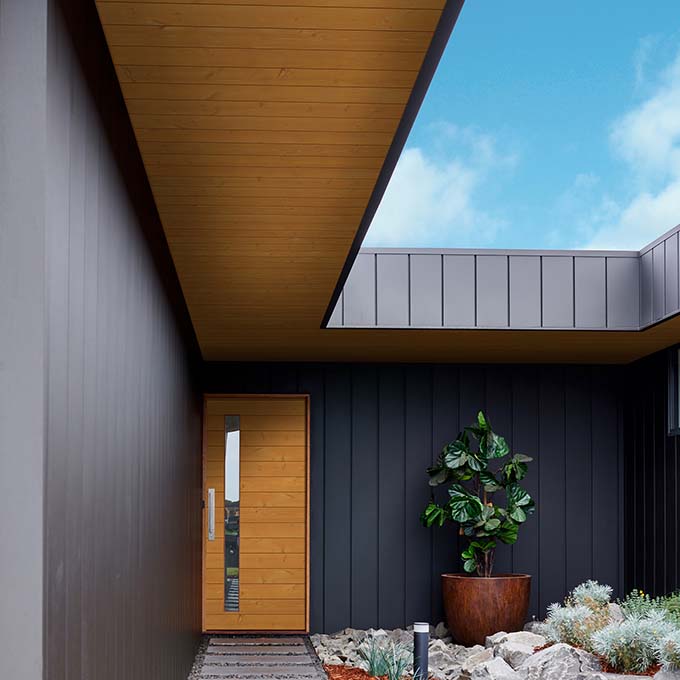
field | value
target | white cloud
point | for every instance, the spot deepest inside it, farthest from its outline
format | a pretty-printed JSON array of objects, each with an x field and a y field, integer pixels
[
  {"x": 647, "y": 139},
  {"x": 432, "y": 201}
]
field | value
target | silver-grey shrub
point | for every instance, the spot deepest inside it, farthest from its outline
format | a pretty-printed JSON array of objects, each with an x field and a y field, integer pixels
[
  {"x": 591, "y": 594},
  {"x": 668, "y": 651},
  {"x": 632, "y": 645}
]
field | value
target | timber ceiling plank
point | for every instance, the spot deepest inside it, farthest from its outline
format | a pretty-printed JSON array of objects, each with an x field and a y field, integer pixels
[{"x": 264, "y": 126}]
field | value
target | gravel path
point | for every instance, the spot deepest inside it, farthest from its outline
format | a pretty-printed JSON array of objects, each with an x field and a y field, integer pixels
[{"x": 246, "y": 657}]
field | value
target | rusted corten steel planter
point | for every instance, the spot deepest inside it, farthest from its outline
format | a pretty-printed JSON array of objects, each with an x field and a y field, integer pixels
[{"x": 476, "y": 607}]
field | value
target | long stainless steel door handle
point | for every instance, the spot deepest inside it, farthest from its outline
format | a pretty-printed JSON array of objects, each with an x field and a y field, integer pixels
[{"x": 211, "y": 514}]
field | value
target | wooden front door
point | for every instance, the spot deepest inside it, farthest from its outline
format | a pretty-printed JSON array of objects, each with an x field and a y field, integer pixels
[{"x": 255, "y": 521}]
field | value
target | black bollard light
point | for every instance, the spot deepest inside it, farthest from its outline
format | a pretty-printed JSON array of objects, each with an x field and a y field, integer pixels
[{"x": 421, "y": 641}]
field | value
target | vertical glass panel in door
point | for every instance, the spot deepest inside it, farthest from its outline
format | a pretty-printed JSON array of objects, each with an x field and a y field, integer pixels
[{"x": 232, "y": 511}]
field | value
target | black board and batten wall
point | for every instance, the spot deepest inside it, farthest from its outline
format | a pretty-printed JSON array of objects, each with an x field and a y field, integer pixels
[
  {"x": 652, "y": 474},
  {"x": 374, "y": 430}
]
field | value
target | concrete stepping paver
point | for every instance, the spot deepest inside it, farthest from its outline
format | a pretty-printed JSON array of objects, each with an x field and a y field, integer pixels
[
  {"x": 283, "y": 640},
  {"x": 254, "y": 649},
  {"x": 242, "y": 659},
  {"x": 264, "y": 658},
  {"x": 259, "y": 672}
]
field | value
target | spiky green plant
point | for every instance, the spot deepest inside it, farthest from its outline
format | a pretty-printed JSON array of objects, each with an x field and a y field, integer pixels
[
  {"x": 371, "y": 653},
  {"x": 395, "y": 658}
]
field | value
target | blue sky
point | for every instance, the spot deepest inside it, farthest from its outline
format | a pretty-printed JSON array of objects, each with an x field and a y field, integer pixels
[{"x": 547, "y": 125}]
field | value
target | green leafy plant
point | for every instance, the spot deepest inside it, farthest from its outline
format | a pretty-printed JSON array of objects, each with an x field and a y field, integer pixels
[
  {"x": 464, "y": 466},
  {"x": 371, "y": 652},
  {"x": 639, "y": 602}
]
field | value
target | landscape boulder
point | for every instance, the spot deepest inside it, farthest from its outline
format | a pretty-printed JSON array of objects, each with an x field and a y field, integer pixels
[
  {"x": 494, "y": 669},
  {"x": 559, "y": 662}
]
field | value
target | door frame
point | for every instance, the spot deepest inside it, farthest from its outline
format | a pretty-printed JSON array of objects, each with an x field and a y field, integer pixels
[{"x": 204, "y": 543}]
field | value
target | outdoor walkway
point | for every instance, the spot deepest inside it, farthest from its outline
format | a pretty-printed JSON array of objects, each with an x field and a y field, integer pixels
[{"x": 248, "y": 657}]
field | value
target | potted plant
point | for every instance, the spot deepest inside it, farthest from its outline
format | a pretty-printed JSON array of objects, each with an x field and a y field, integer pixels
[{"x": 479, "y": 603}]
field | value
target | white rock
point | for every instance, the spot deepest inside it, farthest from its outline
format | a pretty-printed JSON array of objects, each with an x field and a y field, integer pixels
[
  {"x": 524, "y": 637},
  {"x": 667, "y": 675},
  {"x": 559, "y": 662},
  {"x": 495, "y": 639},
  {"x": 476, "y": 659},
  {"x": 495, "y": 669},
  {"x": 514, "y": 653}
]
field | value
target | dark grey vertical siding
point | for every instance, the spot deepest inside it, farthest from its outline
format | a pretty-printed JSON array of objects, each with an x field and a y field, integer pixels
[
  {"x": 652, "y": 468},
  {"x": 23, "y": 62},
  {"x": 374, "y": 430},
  {"x": 123, "y": 470}
]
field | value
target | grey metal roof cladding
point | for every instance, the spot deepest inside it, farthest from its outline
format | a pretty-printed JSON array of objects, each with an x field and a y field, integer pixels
[{"x": 427, "y": 288}]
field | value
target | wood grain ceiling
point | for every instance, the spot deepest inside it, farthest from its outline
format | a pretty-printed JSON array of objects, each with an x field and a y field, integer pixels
[{"x": 264, "y": 126}]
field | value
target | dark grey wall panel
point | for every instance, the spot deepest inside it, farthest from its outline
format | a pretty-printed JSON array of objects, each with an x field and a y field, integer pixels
[
  {"x": 459, "y": 290},
  {"x": 426, "y": 290},
  {"x": 558, "y": 292},
  {"x": 23, "y": 63},
  {"x": 671, "y": 254},
  {"x": 652, "y": 468},
  {"x": 658, "y": 281},
  {"x": 525, "y": 291},
  {"x": 359, "y": 293},
  {"x": 492, "y": 291},
  {"x": 374, "y": 430},
  {"x": 646, "y": 285},
  {"x": 123, "y": 458},
  {"x": 623, "y": 292},
  {"x": 392, "y": 294},
  {"x": 590, "y": 292}
]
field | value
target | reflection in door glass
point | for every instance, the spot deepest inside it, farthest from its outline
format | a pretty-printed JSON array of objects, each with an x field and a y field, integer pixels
[{"x": 232, "y": 455}]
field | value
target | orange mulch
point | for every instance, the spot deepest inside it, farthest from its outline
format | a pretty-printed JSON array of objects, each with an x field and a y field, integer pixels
[
  {"x": 351, "y": 673},
  {"x": 651, "y": 672},
  {"x": 346, "y": 673}
]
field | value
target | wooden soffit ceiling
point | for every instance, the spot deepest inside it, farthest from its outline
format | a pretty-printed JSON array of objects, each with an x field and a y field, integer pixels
[{"x": 264, "y": 126}]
